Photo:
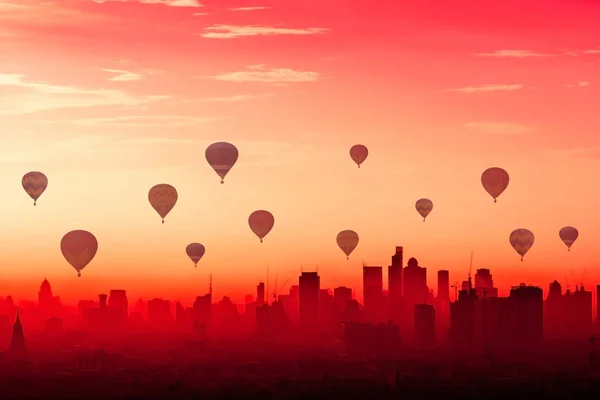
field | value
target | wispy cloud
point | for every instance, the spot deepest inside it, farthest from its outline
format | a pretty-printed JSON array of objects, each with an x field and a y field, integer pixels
[
  {"x": 592, "y": 51},
  {"x": 123, "y": 75},
  {"x": 20, "y": 96},
  {"x": 172, "y": 3},
  {"x": 578, "y": 84},
  {"x": 239, "y": 97},
  {"x": 499, "y": 128},
  {"x": 236, "y": 31},
  {"x": 514, "y": 54},
  {"x": 487, "y": 88},
  {"x": 249, "y": 8},
  {"x": 172, "y": 121},
  {"x": 259, "y": 73}
]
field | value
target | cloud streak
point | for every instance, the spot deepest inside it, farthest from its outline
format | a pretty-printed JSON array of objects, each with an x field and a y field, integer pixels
[
  {"x": 487, "y": 88},
  {"x": 259, "y": 73},
  {"x": 499, "y": 128},
  {"x": 171, "y": 3},
  {"x": 513, "y": 54},
  {"x": 29, "y": 96},
  {"x": 249, "y": 8},
  {"x": 123, "y": 75},
  {"x": 237, "y": 31},
  {"x": 239, "y": 97},
  {"x": 162, "y": 121}
]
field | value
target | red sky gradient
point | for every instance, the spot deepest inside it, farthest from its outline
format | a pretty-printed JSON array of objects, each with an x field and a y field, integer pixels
[{"x": 109, "y": 98}]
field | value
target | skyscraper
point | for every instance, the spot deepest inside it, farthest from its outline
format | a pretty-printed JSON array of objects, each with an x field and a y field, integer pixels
[
  {"x": 373, "y": 293},
  {"x": 395, "y": 277},
  {"x": 308, "y": 308},
  {"x": 443, "y": 293},
  {"x": 415, "y": 289},
  {"x": 484, "y": 284},
  {"x": 260, "y": 293},
  {"x": 17, "y": 341},
  {"x": 527, "y": 315}
]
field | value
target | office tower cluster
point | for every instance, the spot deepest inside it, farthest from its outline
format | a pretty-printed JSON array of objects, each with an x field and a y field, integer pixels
[{"x": 469, "y": 315}]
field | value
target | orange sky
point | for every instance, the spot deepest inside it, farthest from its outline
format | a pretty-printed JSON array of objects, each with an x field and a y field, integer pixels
[{"x": 109, "y": 98}]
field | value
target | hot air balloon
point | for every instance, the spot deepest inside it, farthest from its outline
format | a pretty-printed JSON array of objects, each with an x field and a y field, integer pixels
[
  {"x": 495, "y": 181},
  {"x": 568, "y": 235},
  {"x": 359, "y": 153},
  {"x": 261, "y": 222},
  {"x": 163, "y": 198},
  {"x": 347, "y": 241},
  {"x": 195, "y": 252},
  {"x": 34, "y": 183},
  {"x": 424, "y": 207},
  {"x": 222, "y": 157},
  {"x": 521, "y": 240},
  {"x": 79, "y": 248}
]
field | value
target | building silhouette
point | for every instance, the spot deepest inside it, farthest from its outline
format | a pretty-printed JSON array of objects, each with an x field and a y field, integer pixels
[
  {"x": 424, "y": 322},
  {"x": 526, "y": 322},
  {"x": 17, "y": 341},
  {"x": 373, "y": 301},
  {"x": 309, "y": 292},
  {"x": 395, "y": 278}
]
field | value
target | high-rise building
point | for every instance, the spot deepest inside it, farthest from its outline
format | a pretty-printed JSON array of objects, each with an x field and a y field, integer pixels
[
  {"x": 117, "y": 299},
  {"x": 598, "y": 305},
  {"x": 260, "y": 293},
  {"x": 484, "y": 284},
  {"x": 17, "y": 342},
  {"x": 424, "y": 322},
  {"x": 395, "y": 277},
  {"x": 159, "y": 312},
  {"x": 443, "y": 293},
  {"x": 308, "y": 308},
  {"x": 373, "y": 293},
  {"x": 341, "y": 296},
  {"x": 415, "y": 289},
  {"x": 527, "y": 315}
]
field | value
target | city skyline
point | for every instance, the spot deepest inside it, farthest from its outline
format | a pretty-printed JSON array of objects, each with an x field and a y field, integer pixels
[{"x": 107, "y": 111}]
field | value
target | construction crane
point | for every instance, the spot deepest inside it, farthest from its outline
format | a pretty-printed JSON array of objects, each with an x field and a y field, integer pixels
[{"x": 277, "y": 291}]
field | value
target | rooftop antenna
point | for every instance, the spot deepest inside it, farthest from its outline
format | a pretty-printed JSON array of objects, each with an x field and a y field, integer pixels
[
  {"x": 210, "y": 285},
  {"x": 567, "y": 282},
  {"x": 267, "y": 281},
  {"x": 275, "y": 288},
  {"x": 471, "y": 270}
]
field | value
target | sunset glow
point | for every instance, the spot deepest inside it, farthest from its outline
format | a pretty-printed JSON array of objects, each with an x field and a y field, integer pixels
[{"x": 110, "y": 98}]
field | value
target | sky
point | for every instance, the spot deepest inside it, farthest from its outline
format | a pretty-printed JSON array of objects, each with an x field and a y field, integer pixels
[{"x": 109, "y": 98}]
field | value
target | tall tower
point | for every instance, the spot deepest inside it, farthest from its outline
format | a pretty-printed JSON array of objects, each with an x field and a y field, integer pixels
[
  {"x": 395, "y": 277},
  {"x": 309, "y": 285},
  {"x": 373, "y": 293},
  {"x": 17, "y": 342},
  {"x": 443, "y": 293}
]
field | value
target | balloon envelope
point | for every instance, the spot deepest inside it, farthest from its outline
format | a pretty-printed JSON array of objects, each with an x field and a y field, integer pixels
[
  {"x": 359, "y": 153},
  {"x": 347, "y": 241},
  {"x": 424, "y": 207},
  {"x": 568, "y": 235},
  {"x": 34, "y": 183},
  {"x": 222, "y": 157},
  {"x": 79, "y": 248},
  {"x": 195, "y": 252},
  {"x": 495, "y": 181},
  {"x": 163, "y": 198},
  {"x": 521, "y": 240},
  {"x": 261, "y": 222}
]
